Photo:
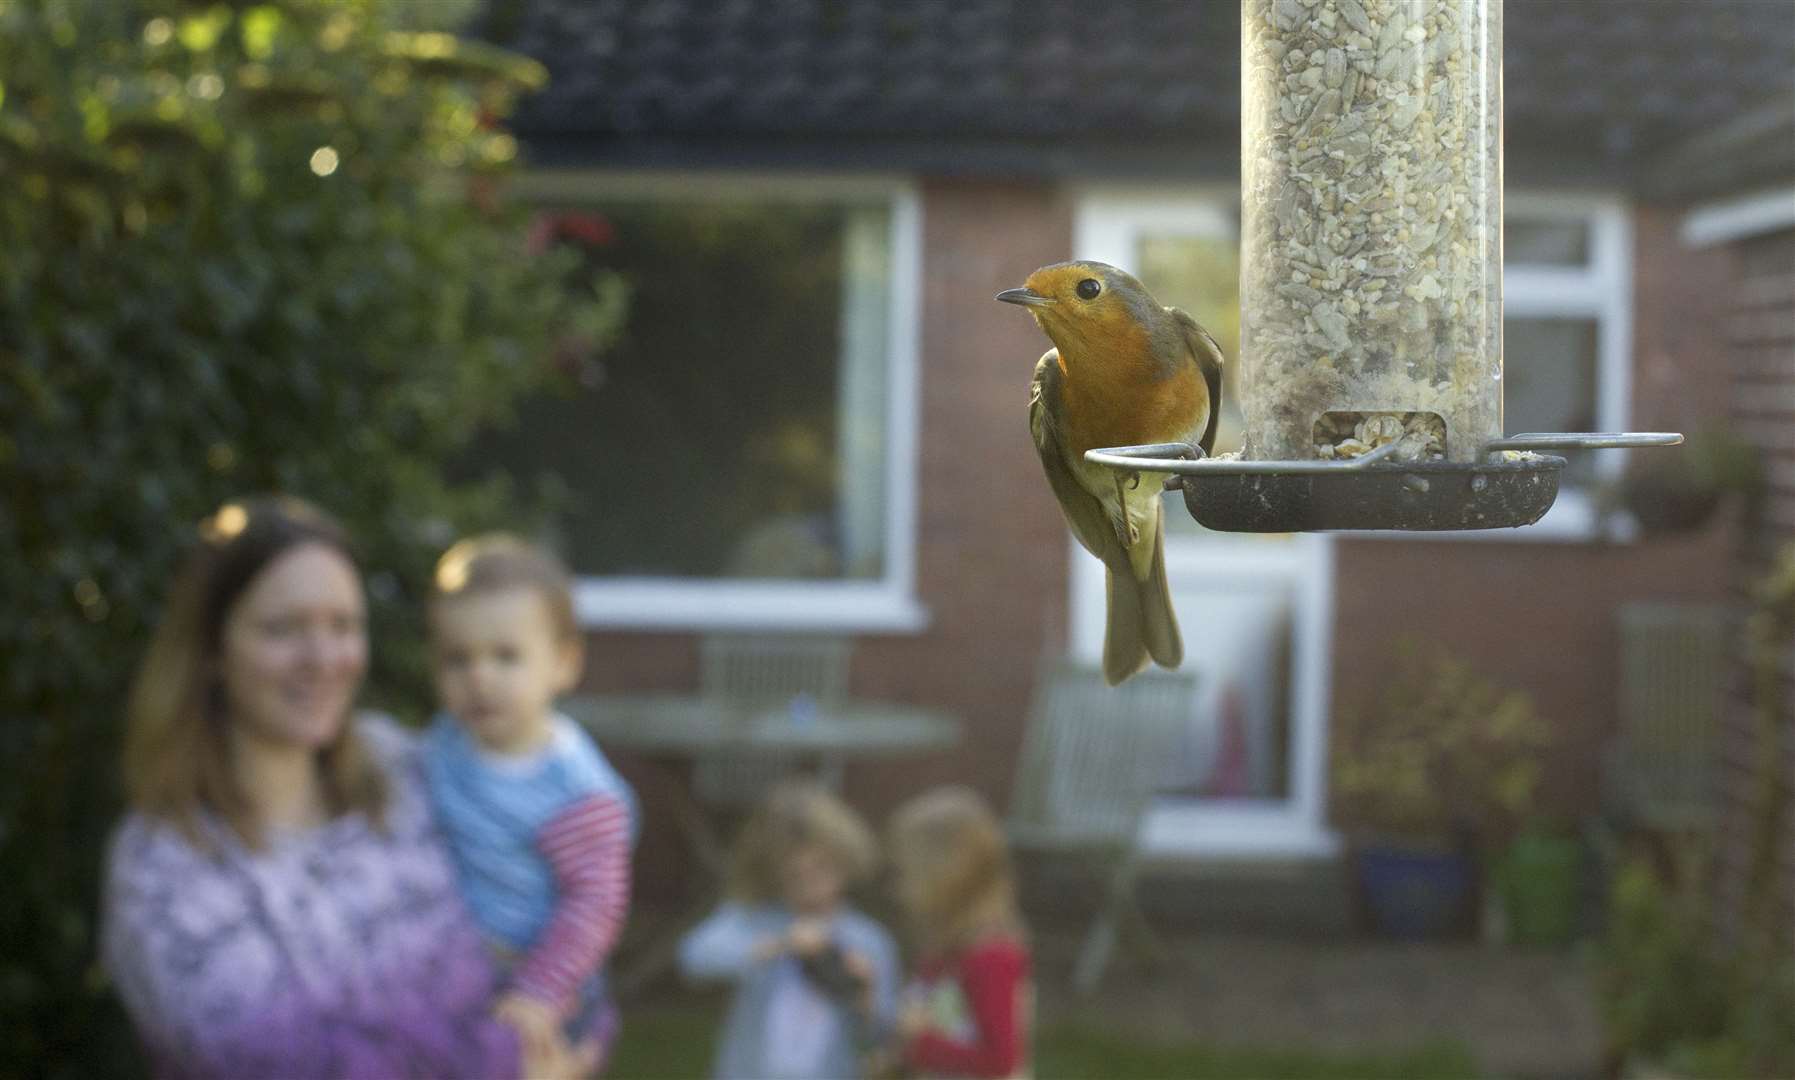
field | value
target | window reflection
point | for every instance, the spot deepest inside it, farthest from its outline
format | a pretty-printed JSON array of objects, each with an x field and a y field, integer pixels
[
  {"x": 1201, "y": 275},
  {"x": 736, "y": 429},
  {"x": 1549, "y": 368},
  {"x": 1545, "y": 242}
]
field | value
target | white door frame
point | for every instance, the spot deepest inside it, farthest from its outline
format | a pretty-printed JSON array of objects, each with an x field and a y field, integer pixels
[{"x": 1106, "y": 227}]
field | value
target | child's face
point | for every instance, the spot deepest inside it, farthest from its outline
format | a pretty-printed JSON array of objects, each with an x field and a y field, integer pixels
[
  {"x": 500, "y": 664},
  {"x": 812, "y": 880}
]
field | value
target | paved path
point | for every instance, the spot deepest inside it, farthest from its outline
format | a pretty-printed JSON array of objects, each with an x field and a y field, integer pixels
[{"x": 1524, "y": 1013}]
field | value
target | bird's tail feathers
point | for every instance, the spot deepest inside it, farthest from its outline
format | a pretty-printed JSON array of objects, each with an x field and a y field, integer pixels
[
  {"x": 1141, "y": 626},
  {"x": 1159, "y": 626},
  {"x": 1124, "y": 652}
]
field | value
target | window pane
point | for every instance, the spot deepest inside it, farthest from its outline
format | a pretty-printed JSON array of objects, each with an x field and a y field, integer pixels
[
  {"x": 1240, "y": 747},
  {"x": 1201, "y": 275},
  {"x": 737, "y": 428},
  {"x": 1544, "y": 242},
  {"x": 1549, "y": 366}
]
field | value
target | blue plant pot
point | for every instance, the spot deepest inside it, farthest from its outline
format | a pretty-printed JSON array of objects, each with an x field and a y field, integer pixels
[{"x": 1412, "y": 893}]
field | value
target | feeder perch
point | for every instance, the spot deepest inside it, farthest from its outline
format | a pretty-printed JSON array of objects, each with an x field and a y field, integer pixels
[{"x": 1371, "y": 282}]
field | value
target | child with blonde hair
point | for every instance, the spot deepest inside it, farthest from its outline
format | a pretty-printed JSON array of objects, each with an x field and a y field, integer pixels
[
  {"x": 969, "y": 1007},
  {"x": 814, "y": 976},
  {"x": 540, "y": 826}
]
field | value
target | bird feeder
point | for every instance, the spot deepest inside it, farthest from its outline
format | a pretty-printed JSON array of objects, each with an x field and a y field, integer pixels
[{"x": 1371, "y": 281}]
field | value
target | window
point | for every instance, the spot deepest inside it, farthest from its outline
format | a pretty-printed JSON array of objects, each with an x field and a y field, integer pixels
[
  {"x": 743, "y": 454},
  {"x": 1567, "y": 266}
]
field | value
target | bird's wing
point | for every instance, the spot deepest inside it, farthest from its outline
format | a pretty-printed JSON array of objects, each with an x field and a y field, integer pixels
[
  {"x": 1209, "y": 361},
  {"x": 1089, "y": 522}
]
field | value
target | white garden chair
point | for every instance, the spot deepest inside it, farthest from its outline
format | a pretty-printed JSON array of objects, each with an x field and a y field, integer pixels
[{"x": 1093, "y": 758}]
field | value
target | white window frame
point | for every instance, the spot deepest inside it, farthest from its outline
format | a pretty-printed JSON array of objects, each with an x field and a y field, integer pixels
[
  {"x": 1601, "y": 290},
  {"x": 888, "y": 605}
]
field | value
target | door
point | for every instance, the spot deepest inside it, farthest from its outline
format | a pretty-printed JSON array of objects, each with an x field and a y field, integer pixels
[{"x": 1255, "y": 611}]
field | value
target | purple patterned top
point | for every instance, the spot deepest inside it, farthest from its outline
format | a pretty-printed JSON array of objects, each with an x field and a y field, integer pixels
[{"x": 336, "y": 952}]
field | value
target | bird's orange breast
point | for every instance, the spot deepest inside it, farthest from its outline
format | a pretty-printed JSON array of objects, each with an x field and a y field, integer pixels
[{"x": 1121, "y": 396}]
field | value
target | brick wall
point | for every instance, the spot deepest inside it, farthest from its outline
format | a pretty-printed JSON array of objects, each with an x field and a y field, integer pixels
[
  {"x": 1759, "y": 344},
  {"x": 992, "y": 547}
]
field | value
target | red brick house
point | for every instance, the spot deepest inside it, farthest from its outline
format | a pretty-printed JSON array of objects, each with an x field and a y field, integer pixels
[
  {"x": 816, "y": 419},
  {"x": 1754, "y": 235}
]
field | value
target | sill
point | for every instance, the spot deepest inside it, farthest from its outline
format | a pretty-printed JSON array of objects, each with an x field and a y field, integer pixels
[
  {"x": 1239, "y": 830},
  {"x": 1573, "y": 519},
  {"x": 791, "y": 606}
]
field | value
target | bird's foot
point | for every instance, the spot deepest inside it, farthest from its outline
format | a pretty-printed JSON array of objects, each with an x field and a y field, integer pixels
[{"x": 1175, "y": 482}]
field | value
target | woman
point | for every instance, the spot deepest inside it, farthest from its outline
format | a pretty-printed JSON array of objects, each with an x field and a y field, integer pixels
[{"x": 278, "y": 902}]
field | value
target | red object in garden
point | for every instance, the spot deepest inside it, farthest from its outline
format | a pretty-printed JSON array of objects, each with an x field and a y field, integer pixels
[
  {"x": 1229, "y": 777},
  {"x": 588, "y": 229}
]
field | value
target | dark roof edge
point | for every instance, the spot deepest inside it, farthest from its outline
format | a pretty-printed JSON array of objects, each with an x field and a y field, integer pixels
[
  {"x": 1754, "y": 149},
  {"x": 1553, "y": 164},
  {"x": 982, "y": 158}
]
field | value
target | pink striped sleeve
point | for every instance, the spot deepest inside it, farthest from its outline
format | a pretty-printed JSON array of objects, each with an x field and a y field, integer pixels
[{"x": 588, "y": 847}]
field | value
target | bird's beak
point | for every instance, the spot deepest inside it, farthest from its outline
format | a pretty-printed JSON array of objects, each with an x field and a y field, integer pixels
[{"x": 1027, "y": 297}]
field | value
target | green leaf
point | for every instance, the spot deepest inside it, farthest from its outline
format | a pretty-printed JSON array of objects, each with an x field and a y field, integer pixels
[
  {"x": 199, "y": 33},
  {"x": 258, "y": 29}
]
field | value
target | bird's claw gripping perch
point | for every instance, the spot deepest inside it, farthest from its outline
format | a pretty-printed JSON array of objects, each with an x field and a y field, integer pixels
[
  {"x": 1125, "y": 529},
  {"x": 1174, "y": 482}
]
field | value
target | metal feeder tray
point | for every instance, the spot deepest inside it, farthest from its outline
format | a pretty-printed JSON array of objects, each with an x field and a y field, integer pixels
[{"x": 1370, "y": 491}]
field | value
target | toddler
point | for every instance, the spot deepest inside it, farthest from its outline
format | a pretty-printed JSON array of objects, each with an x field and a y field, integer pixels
[
  {"x": 969, "y": 1007},
  {"x": 815, "y": 978},
  {"x": 540, "y": 826}
]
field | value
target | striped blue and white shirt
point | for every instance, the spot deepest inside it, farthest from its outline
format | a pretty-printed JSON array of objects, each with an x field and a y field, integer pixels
[{"x": 542, "y": 844}]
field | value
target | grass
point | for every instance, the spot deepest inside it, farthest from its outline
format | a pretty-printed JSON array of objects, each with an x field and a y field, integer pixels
[
  {"x": 1075, "y": 1054},
  {"x": 670, "y": 1043}
]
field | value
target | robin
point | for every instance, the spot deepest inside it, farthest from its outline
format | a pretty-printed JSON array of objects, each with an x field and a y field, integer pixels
[{"x": 1125, "y": 371}]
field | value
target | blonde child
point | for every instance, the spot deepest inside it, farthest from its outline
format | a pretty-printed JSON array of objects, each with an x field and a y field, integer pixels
[
  {"x": 540, "y": 826},
  {"x": 969, "y": 1007},
  {"x": 814, "y": 976}
]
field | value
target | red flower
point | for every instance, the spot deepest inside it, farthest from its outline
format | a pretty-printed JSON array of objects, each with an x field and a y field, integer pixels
[
  {"x": 585, "y": 229},
  {"x": 589, "y": 229}
]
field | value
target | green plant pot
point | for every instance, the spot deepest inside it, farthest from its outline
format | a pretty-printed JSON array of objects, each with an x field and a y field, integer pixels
[{"x": 1539, "y": 878}]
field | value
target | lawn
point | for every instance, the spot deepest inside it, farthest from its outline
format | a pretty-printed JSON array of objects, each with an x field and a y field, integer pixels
[{"x": 670, "y": 1043}]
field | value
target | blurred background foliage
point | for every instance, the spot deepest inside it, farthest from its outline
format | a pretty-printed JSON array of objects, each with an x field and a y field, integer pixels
[
  {"x": 247, "y": 248},
  {"x": 1674, "y": 1001},
  {"x": 1446, "y": 754}
]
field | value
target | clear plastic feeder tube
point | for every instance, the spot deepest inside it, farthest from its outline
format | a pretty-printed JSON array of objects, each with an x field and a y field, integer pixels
[{"x": 1371, "y": 227}]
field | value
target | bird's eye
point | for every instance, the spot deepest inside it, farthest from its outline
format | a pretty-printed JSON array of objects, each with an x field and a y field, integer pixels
[{"x": 1089, "y": 288}]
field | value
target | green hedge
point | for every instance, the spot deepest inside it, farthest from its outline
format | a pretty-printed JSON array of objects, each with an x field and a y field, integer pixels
[{"x": 242, "y": 249}]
